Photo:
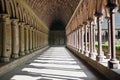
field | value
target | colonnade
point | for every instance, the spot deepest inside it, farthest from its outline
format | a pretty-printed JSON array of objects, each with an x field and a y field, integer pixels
[
  {"x": 82, "y": 33},
  {"x": 21, "y": 31}
]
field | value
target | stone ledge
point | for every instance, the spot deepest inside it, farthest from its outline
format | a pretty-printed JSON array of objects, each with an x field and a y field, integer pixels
[
  {"x": 105, "y": 71},
  {"x": 9, "y": 66}
]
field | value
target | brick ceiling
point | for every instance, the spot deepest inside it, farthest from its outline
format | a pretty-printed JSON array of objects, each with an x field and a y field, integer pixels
[{"x": 51, "y": 10}]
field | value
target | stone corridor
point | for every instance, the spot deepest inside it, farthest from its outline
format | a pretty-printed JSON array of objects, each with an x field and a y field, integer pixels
[{"x": 56, "y": 63}]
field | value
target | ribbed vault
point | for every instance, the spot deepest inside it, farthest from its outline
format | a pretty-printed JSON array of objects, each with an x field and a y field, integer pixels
[{"x": 53, "y": 10}]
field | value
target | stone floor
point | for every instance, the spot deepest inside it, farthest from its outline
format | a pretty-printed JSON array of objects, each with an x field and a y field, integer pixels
[{"x": 57, "y": 63}]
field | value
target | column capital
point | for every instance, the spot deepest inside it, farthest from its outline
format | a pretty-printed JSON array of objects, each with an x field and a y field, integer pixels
[
  {"x": 98, "y": 14},
  {"x": 21, "y": 23},
  {"x": 85, "y": 22},
  {"x": 112, "y": 4},
  {"x": 4, "y": 17},
  {"x": 90, "y": 19},
  {"x": 14, "y": 22},
  {"x": 31, "y": 28}
]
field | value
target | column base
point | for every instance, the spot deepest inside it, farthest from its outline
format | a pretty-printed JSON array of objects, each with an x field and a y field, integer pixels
[
  {"x": 92, "y": 55},
  {"x": 34, "y": 49},
  {"x": 27, "y": 52},
  {"x": 86, "y": 53},
  {"x": 113, "y": 64},
  {"x": 22, "y": 53},
  {"x": 31, "y": 50},
  {"x": 82, "y": 51},
  {"x": 15, "y": 56},
  {"x": 100, "y": 58},
  {"x": 108, "y": 56},
  {"x": 5, "y": 59}
]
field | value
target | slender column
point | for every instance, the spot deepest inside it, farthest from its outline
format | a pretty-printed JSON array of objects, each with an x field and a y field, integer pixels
[
  {"x": 86, "y": 49},
  {"x": 72, "y": 40},
  {"x": 30, "y": 38},
  {"x": 34, "y": 39},
  {"x": 15, "y": 38},
  {"x": 89, "y": 39},
  {"x": 40, "y": 39},
  {"x": 76, "y": 40},
  {"x": 100, "y": 56},
  {"x": 6, "y": 37},
  {"x": 79, "y": 39},
  {"x": 91, "y": 54},
  {"x": 113, "y": 63},
  {"x": 26, "y": 40},
  {"x": 21, "y": 38},
  {"x": 108, "y": 56},
  {"x": 82, "y": 39},
  {"x": 94, "y": 47}
]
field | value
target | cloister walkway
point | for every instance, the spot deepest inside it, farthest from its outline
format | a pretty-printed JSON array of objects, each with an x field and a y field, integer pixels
[{"x": 56, "y": 63}]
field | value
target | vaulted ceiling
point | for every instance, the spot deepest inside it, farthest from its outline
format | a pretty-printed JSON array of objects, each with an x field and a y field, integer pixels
[{"x": 53, "y": 10}]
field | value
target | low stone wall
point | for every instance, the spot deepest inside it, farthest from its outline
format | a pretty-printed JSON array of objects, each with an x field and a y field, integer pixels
[
  {"x": 105, "y": 71},
  {"x": 11, "y": 65}
]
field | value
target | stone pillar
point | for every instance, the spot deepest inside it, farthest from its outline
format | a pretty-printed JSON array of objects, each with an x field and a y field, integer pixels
[
  {"x": 31, "y": 40},
  {"x": 108, "y": 56},
  {"x": 6, "y": 37},
  {"x": 89, "y": 39},
  {"x": 15, "y": 38},
  {"x": 36, "y": 39},
  {"x": 91, "y": 54},
  {"x": 113, "y": 63},
  {"x": 79, "y": 39},
  {"x": 82, "y": 40},
  {"x": 40, "y": 39},
  {"x": 86, "y": 49},
  {"x": 100, "y": 56},
  {"x": 26, "y": 39},
  {"x": 94, "y": 47},
  {"x": 21, "y": 39},
  {"x": 75, "y": 40}
]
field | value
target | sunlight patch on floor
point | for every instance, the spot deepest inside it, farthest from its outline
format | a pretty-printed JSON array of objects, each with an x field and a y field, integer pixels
[{"x": 54, "y": 64}]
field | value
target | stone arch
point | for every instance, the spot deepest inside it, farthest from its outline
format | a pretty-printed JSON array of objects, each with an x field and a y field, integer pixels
[
  {"x": 20, "y": 13},
  {"x": 12, "y": 9},
  {"x": 6, "y": 6},
  {"x": 15, "y": 8},
  {"x": 25, "y": 16}
]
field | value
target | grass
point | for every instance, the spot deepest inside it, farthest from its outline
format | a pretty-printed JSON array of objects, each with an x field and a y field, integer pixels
[{"x": 105, "y": 48}]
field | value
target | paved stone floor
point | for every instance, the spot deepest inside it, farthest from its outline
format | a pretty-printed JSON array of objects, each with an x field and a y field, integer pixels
[{"x": 57, "y": 63}]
